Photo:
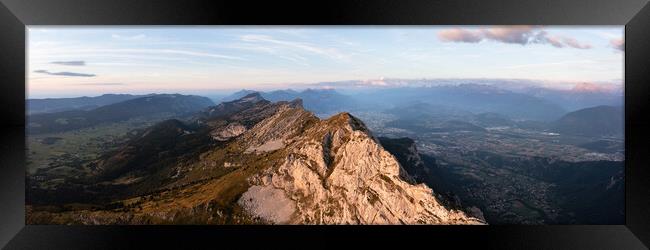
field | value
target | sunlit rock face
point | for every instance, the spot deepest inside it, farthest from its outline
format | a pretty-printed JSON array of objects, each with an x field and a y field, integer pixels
[
  {"x": 335, "y": 172},
  {"x": 231, "y": 130},
  {"x": 251, "y": 161}
]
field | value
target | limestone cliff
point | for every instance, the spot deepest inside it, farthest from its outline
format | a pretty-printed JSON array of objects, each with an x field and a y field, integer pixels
[
  {"x": 253, "y": 161},
  {"x": 335, "y": 172}
]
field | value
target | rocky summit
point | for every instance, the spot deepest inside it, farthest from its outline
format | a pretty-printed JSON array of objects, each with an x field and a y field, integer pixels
[
  {"x": 335, "y": 172},
  {"x": 268, "y": 163}
]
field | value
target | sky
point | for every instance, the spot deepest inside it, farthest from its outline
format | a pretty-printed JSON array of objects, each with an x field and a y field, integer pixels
[{"x": 66, "y": 61}]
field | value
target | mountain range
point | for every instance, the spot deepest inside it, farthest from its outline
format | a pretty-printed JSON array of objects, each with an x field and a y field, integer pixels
[
  {"x": 473, "y": 98},
  {"x": 580, "y": 97},
  {"x": 301, "y": 157},
  {"x": 251, "y": 160},
  {"x": 161, "y": 104},
  {"x": 319, "y": 101},
  {"x": 598, "y": 121},
  {"x": 593, "y": 121},
  {"x": 51, "y": 105}
]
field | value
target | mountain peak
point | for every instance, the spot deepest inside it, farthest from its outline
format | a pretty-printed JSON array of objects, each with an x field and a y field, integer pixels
[
  {"x": 285, "y": 166},
  {"x": 244, "y": 92},
  {"x": 296, "y": 103},
  {"x": 253, "y": 94},
  {"x": 327, "y": 168},
  {"x": 252, "y": 97},
  {"x": 594, "y": 121},
  {"x": 345, "y": 118},
  {"x": 594, "y": 87}
]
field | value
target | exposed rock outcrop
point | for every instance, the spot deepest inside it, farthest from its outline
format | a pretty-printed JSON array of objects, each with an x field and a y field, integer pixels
[
  {"x": 335, "y": 172},
  {"x": 253, "y": 161},
  {"x": 231, "y": 130}
]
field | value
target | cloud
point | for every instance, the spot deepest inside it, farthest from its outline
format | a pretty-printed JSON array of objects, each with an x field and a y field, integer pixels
[
  {"x": 523, "y": 35},
  {"x": 70, "y": 63},
  {"x": 138, "y": 54},
  {"x": 64, "y": 73},
  {"x": 194, "y": 53},
  {"x": 510, "y": 34},
  {"x": 559, "y": 41},
  {"x": 459, "y": 35},
  {"x": 102, "y": 84},
  {"x": 617, "y": 43},
  {"x": 135, "y": 54},
  {"x": 563, "y": 64},
  {"x": 595, "y": 87},
  {"x": 571, "y": 42},
  {"x": 165, "y": 51},
  {"x": 128, "y": 38},
  {"x": 543, "y": 37},
  {"x": 327, "y": 52}
]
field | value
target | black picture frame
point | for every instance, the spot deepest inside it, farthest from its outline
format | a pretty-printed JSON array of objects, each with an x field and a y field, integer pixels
[{"x": 15, "y": 15}]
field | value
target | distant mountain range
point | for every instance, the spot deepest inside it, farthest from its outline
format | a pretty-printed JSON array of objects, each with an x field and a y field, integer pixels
[
  {"x": 599, "y": 121},
  {"x": 594, "y": 121},
  {"x": 51, "y": 105},
  {"x": 319, "y": 101},
  {"x": 271, "y": 157},
  {"x": 421, "y": 112},
  {"x": 481, "y": 105},
  {"x": 515, "y": 99},
  {"x": 469, "y": 98},
  {"x": 252, "y": 161},
  {"x": 423, "y": 106},
  {"x": 473, "y": 98},
  {"x": 162, "y": 104},
  {"x": 582, "y": 96}
]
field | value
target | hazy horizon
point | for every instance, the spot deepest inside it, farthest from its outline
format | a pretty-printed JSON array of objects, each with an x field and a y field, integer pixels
[
  {"x": 499, "y": 125},
  {"x": 90, "y": 61}
]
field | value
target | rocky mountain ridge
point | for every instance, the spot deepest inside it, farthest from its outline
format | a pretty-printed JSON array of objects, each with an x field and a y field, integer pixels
[
  {"x": 270, "y": 163},
  {"x": 336, "y": 172}
]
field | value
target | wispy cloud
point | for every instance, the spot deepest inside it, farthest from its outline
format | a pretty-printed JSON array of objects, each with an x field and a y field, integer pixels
[
  {"x": 460, "y": 35},
  {"x": 128, "y": 38},
  {"x": 70, "y": 63},
  {"x": 552, "y": 64},
  {"x": 224, "y": 57},
  {"x": 159, "y": 52},
  {"x": 102, "y": 84},
  {"x": 511, "y": 34},
  {"x": 573, "y": 43},
  {"x": 73, "y": 74},
  {"x": 193, "y": 53},
  {"x": 131, "y": 53},
  {"x": 558, "y": 41},
  {"x": 291, "y": 56},
  {"x": 618, "y": 44},
  {"x": 604, "y": 35},
  {"x": 330, "y": 52},
  {"x": 522, "y": 35}
]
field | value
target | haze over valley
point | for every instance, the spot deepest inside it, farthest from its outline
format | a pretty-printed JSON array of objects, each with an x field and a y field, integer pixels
[
  {"x": 434, "y": 125},
  {"x": 550, "y": 166}
]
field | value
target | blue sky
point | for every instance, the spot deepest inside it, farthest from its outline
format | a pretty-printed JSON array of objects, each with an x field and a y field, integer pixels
[{"x": 74, "y": 61}]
